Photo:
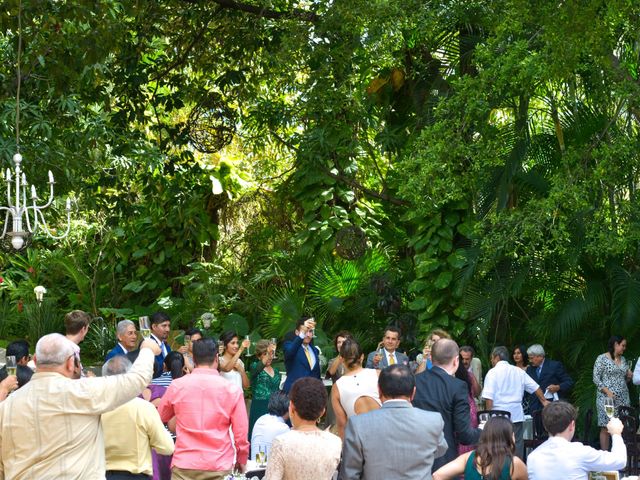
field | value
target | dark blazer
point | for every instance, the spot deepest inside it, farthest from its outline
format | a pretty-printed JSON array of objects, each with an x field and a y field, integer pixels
[
  {"x": 296, "y": 363},
  {"x": 117, "y": 350},
  {"x": 552, "y": 373},
  {"x": 437, "y": 391},
  {"x": 396, "y": 442}
]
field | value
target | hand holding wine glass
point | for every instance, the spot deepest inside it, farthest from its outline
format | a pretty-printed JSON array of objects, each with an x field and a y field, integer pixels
[{"x": 609, "y": 408}]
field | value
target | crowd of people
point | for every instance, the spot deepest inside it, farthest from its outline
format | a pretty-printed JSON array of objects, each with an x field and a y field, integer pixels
[{"x": 163, "y": 414}]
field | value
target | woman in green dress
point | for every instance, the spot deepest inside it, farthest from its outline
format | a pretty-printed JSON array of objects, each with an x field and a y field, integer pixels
[
  {"x": 264, "y": 381},
  {"x": 493, "y": 458}
]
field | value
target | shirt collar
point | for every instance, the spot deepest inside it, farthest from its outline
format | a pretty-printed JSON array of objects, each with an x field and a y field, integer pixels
[
  {"x": 396, "y": 402},
  {"x": 158, "y": 341},
  {"x": 205, "y": 371}
]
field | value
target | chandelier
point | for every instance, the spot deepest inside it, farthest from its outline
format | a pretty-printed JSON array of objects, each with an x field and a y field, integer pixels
[{"x": 22, "y": 217}]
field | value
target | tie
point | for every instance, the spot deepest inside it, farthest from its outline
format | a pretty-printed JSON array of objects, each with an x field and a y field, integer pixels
[
  {"x": 539, "y": 370},
  {"x": 392, "y": 359},
  {"x": 308, "y": 354}
]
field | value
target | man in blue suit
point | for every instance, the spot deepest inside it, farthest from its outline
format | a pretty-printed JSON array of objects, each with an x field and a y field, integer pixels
[
  {"x": 301, "y": 357},
  {"x": 127, "y": 339},
  {"x": 553, "y": 379}
]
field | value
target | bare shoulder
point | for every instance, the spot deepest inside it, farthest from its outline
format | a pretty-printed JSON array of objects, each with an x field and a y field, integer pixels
[{"x": 519, "y": 469}]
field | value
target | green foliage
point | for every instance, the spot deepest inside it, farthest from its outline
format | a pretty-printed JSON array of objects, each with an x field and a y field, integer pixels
[{"x": 486, "y": 150}]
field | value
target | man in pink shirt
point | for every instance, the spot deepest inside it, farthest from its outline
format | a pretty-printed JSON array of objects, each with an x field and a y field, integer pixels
[{"x": 205, "y": 406}]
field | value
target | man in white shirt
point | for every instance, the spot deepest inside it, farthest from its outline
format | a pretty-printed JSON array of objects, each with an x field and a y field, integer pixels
[
  {"x": 504, "y": 387},
  {"x": 269, "y": 426},
  {"x": 559, "y": 457}
]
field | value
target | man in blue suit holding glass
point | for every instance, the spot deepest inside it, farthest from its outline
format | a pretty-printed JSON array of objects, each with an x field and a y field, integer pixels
[{"x": 301, "y": 357}]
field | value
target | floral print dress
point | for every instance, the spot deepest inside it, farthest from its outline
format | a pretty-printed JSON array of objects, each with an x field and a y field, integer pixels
[{"x": 607, "y": 373}]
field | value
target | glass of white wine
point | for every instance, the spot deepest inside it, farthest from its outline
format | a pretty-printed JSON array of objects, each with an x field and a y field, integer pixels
[
  {"x": 12, "y": 366},
  {"x": 248, "y": 339},
  {"x": 145, "y": 329},
  {"x": 609, "y": 409}
]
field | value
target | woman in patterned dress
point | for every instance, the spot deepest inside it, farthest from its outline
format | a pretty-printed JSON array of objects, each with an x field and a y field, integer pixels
[
  {"x": 611, "y": 374},
  {"x": 264, "y": 381}
]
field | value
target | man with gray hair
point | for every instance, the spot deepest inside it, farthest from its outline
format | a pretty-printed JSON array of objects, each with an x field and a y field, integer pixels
[
  {"x": 437, "y": 390},
  {"x": 553, "y": 379},
  {"x": 131, "y": 431},
  {"x": 504, "y": 387},
  {"x": 60, "y": 416},
  {"x": 127, "y": 337}
]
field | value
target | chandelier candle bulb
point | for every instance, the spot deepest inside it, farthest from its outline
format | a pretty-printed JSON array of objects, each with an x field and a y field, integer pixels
[
  {"x": 33, "y": 192},
  {"x": 51, "y": 177}
]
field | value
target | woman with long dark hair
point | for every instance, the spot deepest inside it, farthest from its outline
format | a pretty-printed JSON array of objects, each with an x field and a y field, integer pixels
[
  {"x": 610, "y": 374},
  {"x": 230, "y": 365},
  {"x": 473, "y": 390},
  {"x": 520, "y": 357},
  {"x": 493, "y": 459}
]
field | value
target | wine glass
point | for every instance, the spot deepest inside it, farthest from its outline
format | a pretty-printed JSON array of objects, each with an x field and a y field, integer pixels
[
  {"x": 609, "y": 409},
  {"x": 261, "y": 456},
  {"x": 248, "y": 338},
  {"x": 313, "y": 327},
  {"x": 145, "y": 329},
  {"x": 12, "y": 366}
]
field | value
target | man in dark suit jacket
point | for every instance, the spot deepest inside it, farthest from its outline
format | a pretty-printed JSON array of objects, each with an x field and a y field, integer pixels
[
  {"x": 553, "y": 379},
  {"x": 127, "y": 339},
  {"x": 301, "y": 357},
  {"x": 437, "y": 390},
  {"x": 415, "y": 437}
]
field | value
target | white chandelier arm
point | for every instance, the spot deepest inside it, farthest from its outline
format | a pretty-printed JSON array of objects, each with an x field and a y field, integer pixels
[
  {"x": 28, "y": 220},
  {"x": 6, "y": 221},
  {"x": 45, "y": 227},
  {"x": 50, "y": 196},
  {"x": 9, "y": 199}
]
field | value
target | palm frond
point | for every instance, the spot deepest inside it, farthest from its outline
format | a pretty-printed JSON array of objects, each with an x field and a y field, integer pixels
[{"x": 625, "y": 299}]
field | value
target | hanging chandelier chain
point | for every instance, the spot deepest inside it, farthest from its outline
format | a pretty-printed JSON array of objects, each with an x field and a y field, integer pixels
[
  {"x": 19, "y": 79},
  {"x": 18, "y": 212}
]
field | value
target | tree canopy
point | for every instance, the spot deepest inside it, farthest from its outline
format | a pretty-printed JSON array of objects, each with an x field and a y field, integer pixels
[{"x": 468, "y": 165}]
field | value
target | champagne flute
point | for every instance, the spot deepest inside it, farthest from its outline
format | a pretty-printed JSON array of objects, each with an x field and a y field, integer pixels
[
  {"x": 274, "y": 341},
  {"x": 187, "y": 340},
  {"x": 145, "y": 329},
  {"x": 12, "y": 366},
  {"x": 609, "y": 409},
  {"x": 313, "y": 329},
  {"x": 263, "y": 456},
  {"x": 220, "y": 347},
  {"x": 248, "y": 338}
]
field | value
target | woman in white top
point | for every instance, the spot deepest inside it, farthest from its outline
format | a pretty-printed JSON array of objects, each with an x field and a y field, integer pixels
[
  {"x": 229, "y": 364},
  {"x": 356, "y": 391}
]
